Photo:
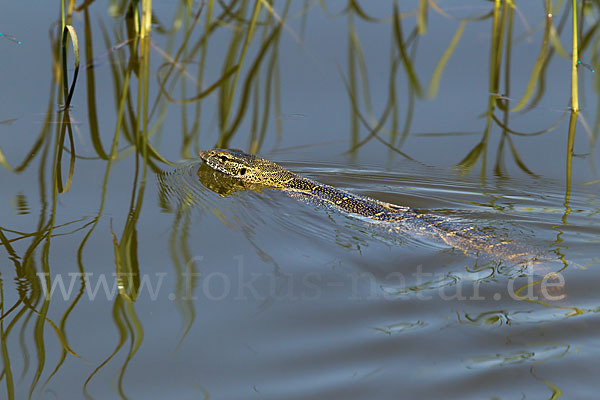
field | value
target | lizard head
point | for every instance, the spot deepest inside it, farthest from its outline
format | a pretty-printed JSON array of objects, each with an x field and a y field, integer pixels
[{"x": 246, "y": 167}]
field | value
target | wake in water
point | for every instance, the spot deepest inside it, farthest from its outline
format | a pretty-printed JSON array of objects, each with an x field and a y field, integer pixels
[{"x": 239, "y": 204}]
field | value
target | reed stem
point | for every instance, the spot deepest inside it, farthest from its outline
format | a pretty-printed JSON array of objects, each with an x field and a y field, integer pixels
[{"x": 574, "y": 90}]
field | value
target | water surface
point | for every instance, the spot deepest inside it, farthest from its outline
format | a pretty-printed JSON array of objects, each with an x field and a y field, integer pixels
[{"x": 139, "y": 281}]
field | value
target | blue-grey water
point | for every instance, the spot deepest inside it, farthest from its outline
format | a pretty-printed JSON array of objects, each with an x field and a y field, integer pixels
[{"x": 242, "y": 294}]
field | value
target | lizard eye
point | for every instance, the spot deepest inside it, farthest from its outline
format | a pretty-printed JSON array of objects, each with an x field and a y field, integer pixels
[{"x": 224, "y": 158}]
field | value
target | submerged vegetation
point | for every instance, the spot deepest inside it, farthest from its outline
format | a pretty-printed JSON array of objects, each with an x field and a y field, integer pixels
[{"x": 241, "y": 95}]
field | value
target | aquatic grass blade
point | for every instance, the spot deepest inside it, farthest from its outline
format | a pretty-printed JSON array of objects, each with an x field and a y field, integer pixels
[
  {"x": 575, "y": 58},
  {"x": 556, "y": 43},
  {"x": 3, "y": 161},
  {"x": 437, "y": 9},
  {"x": 272, "y": 85},
  {"x": 469, "y": 161},
  {"x": 75, "y": 43},
  {"x": 200, "y": 95},
  {"x": 439, "y": 68},
  {"x": 7, "y": 371},
  {"x": 536, "y": 133},
  {"x": 356, "y": 8},
  {"x": 535, "y": 73},
  {"x": 224, "y": 139},
  {"x": 231, "y": 95},
  {"x": 517, "y": 158},
  {"x": 422, "y": 17},
  {"x": 68, "y": 32},
  {"x": 404, "y": 57},
  {"x": 91, "y": 88},
  {"x": 362, "y": 67},
  {"x": 352, "y": 85}
]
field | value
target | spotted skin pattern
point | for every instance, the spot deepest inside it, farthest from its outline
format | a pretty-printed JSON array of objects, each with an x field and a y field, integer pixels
[{"x": 255, "y": 170}]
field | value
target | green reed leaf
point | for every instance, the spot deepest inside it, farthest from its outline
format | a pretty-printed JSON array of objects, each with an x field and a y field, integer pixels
[
  {"x": 91, "y": 88},
  {"x": 410, "y": 109},
  {"x": 556, "y": 43},
  {"x": 469, "y": 161},
  {"x": 73, "y": 35},
  {"x": 437, "y": 73},
  {"x": 354, "y": 6},
  {"x": 517, "y": 158},
  {"x": 245, "y": 46},
  {"x": 68, "y": 32},
  {"x": 535, "y": 73},
  {"x": 200, "y": 95},
  {"x": 422, "y": 17},
  {"x": 536, "y": 133},
  {"x": 3, "y": 161},
  {"x": 242, "y": 108},
  {"x": 127, "y": 267},
  {"x": 442, "y": 134},
  {"x": 352, "y": 85},
  {"x": 272, "y": 82},
  {"x": 412, "y": 77},
  {"x": 574, "y": 60},
  {"x": 588, "y": 36},
  {"x": 437, "y": 9},
  {"x": 152, "y": 152},
  {"x": 475, "y": 17},
  {"x": 119, "y": 324},
  {"x": 499, "y": 169},
  {"x": 362, "y": 68},
  {"x": 373, "y": 132}
]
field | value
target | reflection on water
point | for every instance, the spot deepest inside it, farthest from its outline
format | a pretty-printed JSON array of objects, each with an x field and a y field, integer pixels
[
  {"x": 525, "y": 356},
  {"x": 126, "y": 275},
  {"x": 222, "y": 184},
  {"x": 276, "y": 279},
  {"x": 515, "y": 295},
  {"x": 401, "y": 327}
]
